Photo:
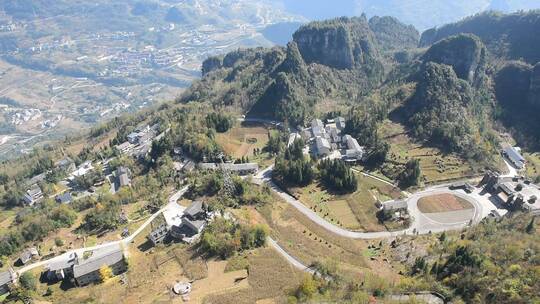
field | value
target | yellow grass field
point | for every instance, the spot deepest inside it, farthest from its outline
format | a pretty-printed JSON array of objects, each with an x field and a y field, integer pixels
[
  {"x": 442, "y": 203},
  {"x": 241, "y": 141},
  {"x": 340, "y": 209}
]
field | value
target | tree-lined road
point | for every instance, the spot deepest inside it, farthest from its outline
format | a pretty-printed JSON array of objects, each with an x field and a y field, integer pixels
[{"x": 421, "y": 223}]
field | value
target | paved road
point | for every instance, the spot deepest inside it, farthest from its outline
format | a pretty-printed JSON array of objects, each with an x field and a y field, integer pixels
[
  {"x": 109, "y": 245},
  {"x": 512, "y": 171},
  {"x": 421, "y": 224}
]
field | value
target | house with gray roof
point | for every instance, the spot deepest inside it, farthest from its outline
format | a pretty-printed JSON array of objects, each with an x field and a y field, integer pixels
[
  {"x": 323, "y": 146},
  {"x": 87, "y": 271},
  {"x": 513, "y": 154},
  {"x": 354, "y": 151},
  {"x": 194, "y": 220},
  {"x": 7, "y": 279},
  {"x": 28, "y": 255},
  {"x": 64, "y": 198},
  {"x": 196, "y": 210},
  {"x": 394, "y": 205},
  {"x": 66, "y": 164},
  {"x": 122, "y": 176},
  {"x": 33, "y": 195},
  {"x": 62, "y": 269},
  {"x": 317, "y": 128}
]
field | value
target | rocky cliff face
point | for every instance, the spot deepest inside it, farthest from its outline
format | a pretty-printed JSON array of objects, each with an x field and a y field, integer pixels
[
  {"x": 465, "y": 53},
  {"x": 340, "y": 43}
]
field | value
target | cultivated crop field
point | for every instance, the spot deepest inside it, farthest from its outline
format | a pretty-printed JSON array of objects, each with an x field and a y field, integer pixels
[
  {"x": 442, "y": 203},
  {"x": 435, "y": 165}
]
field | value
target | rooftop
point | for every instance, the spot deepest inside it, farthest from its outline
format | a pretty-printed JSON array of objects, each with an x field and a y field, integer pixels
[
  {"x": 96, "y": 262},
  {"x": 6, "y": 277},
  {"x": 195, "y": 208},
  {"x": 64, "y": 198},
  {"x": 322, "y": 143},
  {"x": 173, "y": 214},
  {"x": 231, "y": 167},
  {"x": 61, "y": 264},
  {"x": 395, "y": 205},
  {"x": 515, "y": 156}
]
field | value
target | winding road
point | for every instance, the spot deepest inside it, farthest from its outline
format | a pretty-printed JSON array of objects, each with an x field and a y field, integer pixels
[{"x": 421, "y": 224}]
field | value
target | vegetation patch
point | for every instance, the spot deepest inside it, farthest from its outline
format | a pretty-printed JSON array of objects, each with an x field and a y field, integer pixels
[
  {"x": 356, "y": 211},
  {"x": 443, "y": 203},
  {"x": 342, "y": 211},
  {"x": 269, "y": 276},
  {"x": 435, "y": 165}
]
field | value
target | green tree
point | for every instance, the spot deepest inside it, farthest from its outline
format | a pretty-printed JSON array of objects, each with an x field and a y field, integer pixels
[
  {"x": 410, "y": 176},
  {"x": 28, "y": 281},
  {"x": 337, "y": 176}
]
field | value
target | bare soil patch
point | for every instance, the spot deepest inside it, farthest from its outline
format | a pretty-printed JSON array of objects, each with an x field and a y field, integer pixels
[{"x": 443, "y": 203}]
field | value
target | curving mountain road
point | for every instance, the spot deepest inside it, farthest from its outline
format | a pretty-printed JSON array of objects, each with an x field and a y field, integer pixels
[{"x": 421, "y": 224}]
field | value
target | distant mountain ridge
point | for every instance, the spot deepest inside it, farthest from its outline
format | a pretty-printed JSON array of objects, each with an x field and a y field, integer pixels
[{"x": 509, "y": 36}]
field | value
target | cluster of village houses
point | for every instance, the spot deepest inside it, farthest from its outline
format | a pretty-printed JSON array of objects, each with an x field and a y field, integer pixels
[
  {"x": 34, "y": 193},
  {"x": 139, "y": 142},
  {"x": 329, "y": 140},
  {"x": 138, "y": 145},
  {"x": 80, "y": 270},
  {"x": 507, "y": 193},
  {"x": 186, "y": 224}
]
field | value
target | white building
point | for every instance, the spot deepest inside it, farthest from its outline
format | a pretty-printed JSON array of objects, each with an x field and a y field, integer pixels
[
  {"x": 340, "y": 123},
  {"x": 317, "y": 128},
  {"x": 323, "y": 146},
  {"x": 83, "y": 169},
  {"x": 354, "y": 151}
]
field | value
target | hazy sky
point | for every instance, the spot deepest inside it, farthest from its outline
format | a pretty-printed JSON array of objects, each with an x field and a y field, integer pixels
[{"x": 423, "y": 14}]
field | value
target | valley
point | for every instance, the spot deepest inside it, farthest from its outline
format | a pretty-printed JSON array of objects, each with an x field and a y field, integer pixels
[
  {"x": 58, "y": 80},
  {"x": 360, "y": 162}
]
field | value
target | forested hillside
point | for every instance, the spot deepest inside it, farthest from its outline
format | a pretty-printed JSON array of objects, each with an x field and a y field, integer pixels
[
  {"x": 509, "y": 36},
  {"x": 449, "y": 94},
  {"x": 512, "y": 42},
  {"x": 341, "y": 59}
]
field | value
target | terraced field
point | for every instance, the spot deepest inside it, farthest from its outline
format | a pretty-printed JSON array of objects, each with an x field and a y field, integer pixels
[{"x": 436, "y": 166}]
